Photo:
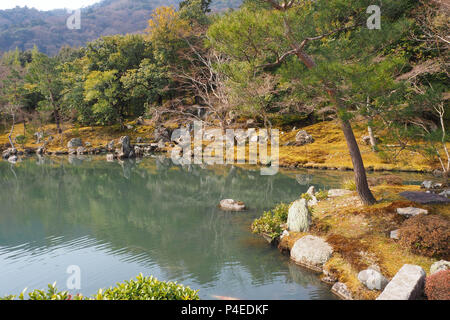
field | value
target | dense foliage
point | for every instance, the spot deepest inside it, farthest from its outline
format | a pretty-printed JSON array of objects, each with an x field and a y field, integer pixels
[
  {"x": 25, "y": 27},
  {"x": 437, "y": 286},
  {"x": 270, "y": 222},
  {"x": 427, "y": 235},
  {"x": 143, "y": 288},
  {"x": 191, "y": 63}
]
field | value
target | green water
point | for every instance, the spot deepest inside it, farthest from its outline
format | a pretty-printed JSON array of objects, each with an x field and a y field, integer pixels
[{"x": 115, "y": 220}]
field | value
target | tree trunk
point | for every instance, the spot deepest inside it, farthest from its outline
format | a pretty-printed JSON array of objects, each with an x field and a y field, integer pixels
[
  {"x": 362, "y": 187},
  {"x": 12, "y": 130}
]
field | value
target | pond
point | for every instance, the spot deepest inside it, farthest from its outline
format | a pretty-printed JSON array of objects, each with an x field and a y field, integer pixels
[{"x": 116, "y": 220}]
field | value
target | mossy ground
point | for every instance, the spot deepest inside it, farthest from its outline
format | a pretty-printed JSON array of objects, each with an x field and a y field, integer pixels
[
  {"x": 329, "y": 149},
  {"x": 360, "y": 235}
]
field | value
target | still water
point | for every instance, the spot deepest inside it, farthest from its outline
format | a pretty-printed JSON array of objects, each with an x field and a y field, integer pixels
[{"x": 116, "y": 220}]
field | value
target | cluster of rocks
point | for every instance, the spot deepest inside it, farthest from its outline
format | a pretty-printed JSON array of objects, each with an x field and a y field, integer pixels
[
  {"x": 439, "y": 188},
  {"x": 301, "y": 138}
]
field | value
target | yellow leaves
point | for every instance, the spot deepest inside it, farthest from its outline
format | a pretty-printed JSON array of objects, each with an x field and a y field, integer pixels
[{"x": 165, "y": 23}]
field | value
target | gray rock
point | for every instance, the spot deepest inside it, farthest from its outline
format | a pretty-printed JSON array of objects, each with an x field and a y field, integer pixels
[
  {"x": 110, "y": 145},
  {"x": 311, "y": 191},
  {"x": 411, "y": 211},
  {"x": 81, "y": 150},
  {"x": 333, "y": 193},
  {"x": 13, "y": 159},
  {"x": 424, "y": 198},
  {"x": 139, "y": 140},
  {"x": 311, "y": 252},
  {"x": 428, "y": 184},
  {"x": 126, "y": 150},
  {"x": 299, "y": 216},
  {"x": 445, "y": 193},
  {"x": 231, "y": 205},
  {"x": 40, "y": 150},
  {"x": 341, "y": 290},
  {"x": 372, "y": 279},
  {"x": 407, "y": 284},
  {"x": 110, "y": 157},
  {"x": 395, "y": 234},
  {"x": 439, "y": 266},
  {"x": 74, "y": 143},
  {"x": 302, "y": 137}
]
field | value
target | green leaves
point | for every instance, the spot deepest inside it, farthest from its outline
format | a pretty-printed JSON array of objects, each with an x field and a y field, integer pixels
[
  {"x": 270, "y": 222},
  {"x": 143, "y": 288}
]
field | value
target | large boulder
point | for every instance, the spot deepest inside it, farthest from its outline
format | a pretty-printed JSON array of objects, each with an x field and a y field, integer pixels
[
  {"x": 126, "y": 150},
  {"x": 299, "y": 216},
  {"x": 439, "y": 266},
  {"x": 372, "y": 279},
  {"x": 74, "y": 143},
  {"x": 302, "y": 137},
  {"x": 231, "y": 205},
  {"x": 340, "y": 289},
  {"x": 411, "y": 211},
  {"x": 407, "y": 284},
  {"x": 312, "y": 252}
]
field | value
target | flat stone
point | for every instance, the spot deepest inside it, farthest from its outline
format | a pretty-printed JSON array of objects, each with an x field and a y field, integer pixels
[
  {"x": 372, "y": 279},
  {"x": 424, "y": 197},
  {"x": 333, "y": 193},
  {"x": 231, "y": 205},
  {"x": 311, "y": 252},
  {"x": 407, "y": 284},
  {"x": 74, "y": 143},
  {"x": 439, "y": 266},
  {"x": 411, "y": 211},
  {"x": 395, "y": 234},
  {"x": 341, "y": 290}
]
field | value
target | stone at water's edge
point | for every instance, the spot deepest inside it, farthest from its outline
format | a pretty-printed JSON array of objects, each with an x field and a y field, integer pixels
[
  {"x": 299, "y": 217},
  {"x": 341, "y": 290},
  {"x": 126, "y": 150},
  {"x": 372, "y": 279},
  {"x": 74, "y": 143},
  {"x": 407, "y": 284},
  {"x": 424, "y": 198},
  {"x": 311, "y": 252},
  {"x": 231, "y": 205},
  {"x": 439, "y": 266}
]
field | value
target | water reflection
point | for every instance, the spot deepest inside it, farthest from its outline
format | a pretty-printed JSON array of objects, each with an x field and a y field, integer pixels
[{"x": 117, "y": 219}]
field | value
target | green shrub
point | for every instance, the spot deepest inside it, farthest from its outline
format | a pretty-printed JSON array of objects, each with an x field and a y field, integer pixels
[
  {"x": 349, "y": 184},
  {"x": 271, "y": 221},
  {"x": 427, "y": 235},
  {"x": 143, "y": 288},
  {"x": 306, "y": 196},
  {"x": 21, "y": 139},
  {"x": 322, "y": 194}
]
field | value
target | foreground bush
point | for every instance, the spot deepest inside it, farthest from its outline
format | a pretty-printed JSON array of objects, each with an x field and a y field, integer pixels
[
  {"x": 437, "y": 286},
  {"x": 271, "y": 221},
  {"x": 427, "y": 235},
  {"x": 143, "y": 288}
]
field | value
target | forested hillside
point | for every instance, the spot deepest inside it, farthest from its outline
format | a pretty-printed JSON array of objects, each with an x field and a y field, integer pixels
[{"x": 25, "y": 27}]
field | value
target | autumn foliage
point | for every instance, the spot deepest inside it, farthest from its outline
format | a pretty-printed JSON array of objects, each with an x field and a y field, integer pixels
[
  {"x": 427, "y": 235},
  {"x": 437, "y": 286}
]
